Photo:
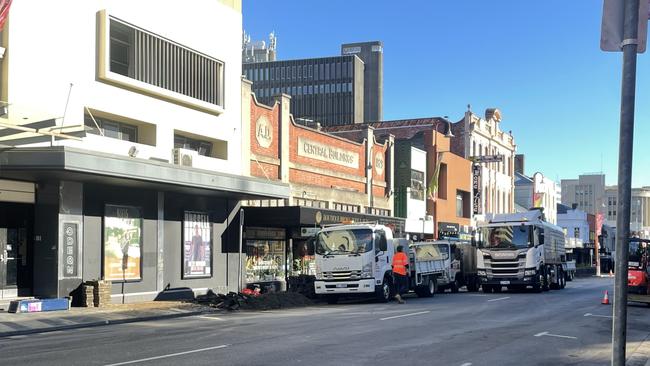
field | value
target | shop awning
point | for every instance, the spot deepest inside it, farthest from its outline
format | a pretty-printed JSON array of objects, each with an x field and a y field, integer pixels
[
  {"x": 295, "y": 216},
  {"x": 67, "y": 163}
]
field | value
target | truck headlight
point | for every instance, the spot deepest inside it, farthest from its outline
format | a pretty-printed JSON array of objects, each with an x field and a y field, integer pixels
[
  {"x": 481, "y": 272},
  {"x": 530, "y": 272},
  {"x": 366, "y": 271}
]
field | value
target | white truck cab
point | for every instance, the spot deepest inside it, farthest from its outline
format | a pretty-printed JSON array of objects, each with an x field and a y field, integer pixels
[{"x": 354, "y": 259}]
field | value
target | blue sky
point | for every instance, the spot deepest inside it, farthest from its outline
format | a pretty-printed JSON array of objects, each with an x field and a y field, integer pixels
[{"x": 539, "y": 62}]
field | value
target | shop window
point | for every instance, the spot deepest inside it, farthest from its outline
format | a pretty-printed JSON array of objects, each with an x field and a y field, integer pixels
[
  {"x": 197, "y": 245},
  {"x": 265, "y": 260},
  {"x": 303, "y": 262}
]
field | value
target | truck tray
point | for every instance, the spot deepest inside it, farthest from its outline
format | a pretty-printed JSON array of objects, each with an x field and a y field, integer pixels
[{"x": 639, "y": 298}]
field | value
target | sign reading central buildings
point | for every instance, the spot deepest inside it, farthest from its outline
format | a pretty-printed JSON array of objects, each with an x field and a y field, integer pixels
[{"x": 316, "y": 150}]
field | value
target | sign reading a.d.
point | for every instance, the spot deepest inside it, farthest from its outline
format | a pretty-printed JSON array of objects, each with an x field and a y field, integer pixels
[{"x": 611, "y": 35}]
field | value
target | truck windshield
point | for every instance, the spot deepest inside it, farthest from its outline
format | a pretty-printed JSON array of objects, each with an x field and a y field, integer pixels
[
  {"x": 638, "y": 253},
  {"x": 507, "y": 237},
  {"x": 344, "y": 241}
]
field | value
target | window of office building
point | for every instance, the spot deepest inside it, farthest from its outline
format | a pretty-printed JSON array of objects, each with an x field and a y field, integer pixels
[
  {"x": 138, "y": 54},
  {"x": 346, "y": 207},
  {"x": 293, "y": 72},
  {"x": 321, "y": 71},
  {"x": 282, "y": 72},
  {"x": 202, "y": 147},
  {"x": 112, "y": 129},
  {"x": 311, "y": 69},
  {"x": 299, "y": 72},
  {"x": 327, "y": 71},
  {"x": 338, "y": 70},
  {"x": 417, "y": 185}
]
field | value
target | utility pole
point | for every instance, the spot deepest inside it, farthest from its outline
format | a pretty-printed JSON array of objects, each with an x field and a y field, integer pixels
[{"x": 626, "y": 139}]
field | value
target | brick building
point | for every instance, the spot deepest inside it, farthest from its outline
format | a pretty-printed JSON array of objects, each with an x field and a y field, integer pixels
[
  {"x": 451, "y": 208},
  {"x": 332, "y": 180}
]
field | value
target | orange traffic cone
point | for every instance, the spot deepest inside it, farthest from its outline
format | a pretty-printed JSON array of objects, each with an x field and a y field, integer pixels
[{"x": 605, "y": 298}]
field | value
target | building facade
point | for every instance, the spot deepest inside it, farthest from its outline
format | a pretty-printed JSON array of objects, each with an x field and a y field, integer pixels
[
  {"x": 259, "y": 51},
  {"x": 138, "y": 181},
  {"x": 537, "y": 191},
  {"x": 579, "y": 235},
  {"x": 639, "y": 209},
  {"x": 449, "y": 191},
  {"x": 332, "y": 180},
  {"x": 410, "y": 190},
  {"x": 334, "y": 90},
  {"x": 588, "y": 192},
  {"x": 477, "y": 138}
]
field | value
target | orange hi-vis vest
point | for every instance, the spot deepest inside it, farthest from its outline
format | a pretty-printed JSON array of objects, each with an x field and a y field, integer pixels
[{"x": 400, "y": 260}]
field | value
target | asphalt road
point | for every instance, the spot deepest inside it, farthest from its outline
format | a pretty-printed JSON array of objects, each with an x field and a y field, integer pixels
[{"x": 561, "y": 327}]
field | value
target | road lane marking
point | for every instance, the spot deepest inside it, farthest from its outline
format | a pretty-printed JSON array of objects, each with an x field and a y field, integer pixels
[
  {"x": 169, "y": 355},
  {"x": 499, "y": 299},
  {"x": 211, "y": 318},
  {"x": 405, "y": 315},
  {"x": 599, "y": 316},
  {"x": 467, "y": 364},
  {"x": 547, "y": 334}
]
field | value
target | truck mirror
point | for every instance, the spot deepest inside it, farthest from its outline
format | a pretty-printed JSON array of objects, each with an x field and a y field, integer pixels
[
  {"x": 541, "y": 236},
  {"x": 376, "y": 259}
]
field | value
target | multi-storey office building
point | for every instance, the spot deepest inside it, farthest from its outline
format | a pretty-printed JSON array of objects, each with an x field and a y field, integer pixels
[
  {"x": 335, "y": 90},
  {"x": 125, "y": 159},
  {"x": 639, "y": 209},
  {"x": 587, "y": 192}
]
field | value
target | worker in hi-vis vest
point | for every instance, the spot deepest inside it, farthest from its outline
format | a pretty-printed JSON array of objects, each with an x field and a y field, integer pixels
[{"x": 400, "y": 273}]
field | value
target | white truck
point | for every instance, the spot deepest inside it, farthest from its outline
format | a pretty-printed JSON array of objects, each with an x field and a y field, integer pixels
[
  {"x": 459, "y": 265},
  {"x": 355, "y": 259},
  {"x": 520, "y": 250}
]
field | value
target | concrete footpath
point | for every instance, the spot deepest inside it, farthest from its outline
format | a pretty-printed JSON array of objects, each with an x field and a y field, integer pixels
[{"x": 28, "y": 323}]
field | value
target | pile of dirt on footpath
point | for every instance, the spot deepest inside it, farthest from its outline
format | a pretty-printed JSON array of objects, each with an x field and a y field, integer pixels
[{"x": 276, "y": 300}]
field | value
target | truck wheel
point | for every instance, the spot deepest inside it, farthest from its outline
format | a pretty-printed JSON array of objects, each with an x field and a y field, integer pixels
[
  {"x": 538, "y": 287},
  {"x": 546, "y": 280},
  {"x": 383, "y": 292},
  {"x": 487, "y": 288},
  {"x": 562, "y": 278},
  {"x": 472, "y": 287},
  {"x": 554, "y": 285},
  {"x": 455, "y": 285},
  {"x": 333, "y": 299}
]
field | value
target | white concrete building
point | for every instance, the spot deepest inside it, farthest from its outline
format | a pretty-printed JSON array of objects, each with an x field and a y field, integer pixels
[
  {"x": 124, "y": 122},
  {"x": 639, "y": 209},
  {"x": 480, "y": 137},
  {"x": 574, "y": 221},
  {"x": 588, "y": 192},
  {"x": 537, "y": 191}
]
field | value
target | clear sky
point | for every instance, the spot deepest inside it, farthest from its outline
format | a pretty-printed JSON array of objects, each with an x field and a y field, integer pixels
[{"x": 539, "y": 62}]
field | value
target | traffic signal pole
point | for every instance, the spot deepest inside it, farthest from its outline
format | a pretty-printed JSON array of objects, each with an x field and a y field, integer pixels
[{"x": 626, "y": 140}]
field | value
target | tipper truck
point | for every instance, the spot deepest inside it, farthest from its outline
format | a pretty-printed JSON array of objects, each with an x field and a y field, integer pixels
[
  {"x": 520, "y": 250},
  {"x": 356, "y": 259}
]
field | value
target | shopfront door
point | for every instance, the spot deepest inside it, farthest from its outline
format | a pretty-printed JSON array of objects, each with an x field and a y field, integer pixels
[
  {"x": 15, "y": 266},
  {"x": 8, "y": 263}
]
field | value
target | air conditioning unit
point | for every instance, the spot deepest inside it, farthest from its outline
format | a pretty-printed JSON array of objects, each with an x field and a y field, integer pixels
[{"x": 184, "y": 157}]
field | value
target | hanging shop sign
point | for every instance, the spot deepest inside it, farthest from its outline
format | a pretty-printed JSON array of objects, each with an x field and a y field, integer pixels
[{"x": 476, "y": 189}]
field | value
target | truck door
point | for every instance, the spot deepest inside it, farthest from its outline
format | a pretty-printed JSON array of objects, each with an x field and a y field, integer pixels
[{"x": 383, "y": 256}]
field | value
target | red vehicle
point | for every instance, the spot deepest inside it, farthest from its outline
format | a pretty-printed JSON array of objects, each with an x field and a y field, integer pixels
[{"x": 638, "y": 267}]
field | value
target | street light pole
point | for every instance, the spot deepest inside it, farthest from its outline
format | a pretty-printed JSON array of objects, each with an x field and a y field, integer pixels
[
  {"x": 626, "y": 141},
  {"x": 438, "y": 154}
]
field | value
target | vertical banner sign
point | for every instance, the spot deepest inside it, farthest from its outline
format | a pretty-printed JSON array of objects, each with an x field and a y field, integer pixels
[
  {"x": 476, "y": 188},
  {"x": 197, "y": 245},
  {"x": 122, "y": 243},
  {"x": 70, "y": 245}
]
